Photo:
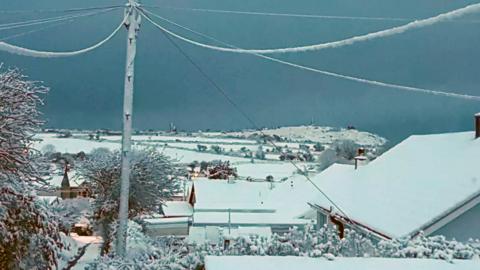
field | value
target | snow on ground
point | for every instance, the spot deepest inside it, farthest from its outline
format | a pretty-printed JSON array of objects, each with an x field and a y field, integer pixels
[
  {"x": 72, "y": 145},
  {"x": 92, "y": 252},
  {"x": 304, "y": 263},
  {"x": 194, "y": 139},
  {"x": 186, "y": 156},
  {"x": 319, "y": 134}
]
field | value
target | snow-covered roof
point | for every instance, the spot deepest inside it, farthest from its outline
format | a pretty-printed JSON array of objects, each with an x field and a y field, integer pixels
[
  {"x": 408, "y": 187},
  {"x": 221, "y": 194},
  {"x": 177, "y": 220},
  {"x": 244, "y": 219},
  {"x": 177, "y": 209},
  {"x": 305, "y": 263},
  {"x": 74, "y": 179}
]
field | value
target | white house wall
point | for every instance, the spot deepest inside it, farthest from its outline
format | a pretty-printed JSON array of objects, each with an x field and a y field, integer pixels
[{"x": 464, "y": 227}]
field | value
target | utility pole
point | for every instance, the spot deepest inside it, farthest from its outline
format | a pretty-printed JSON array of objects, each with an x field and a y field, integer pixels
[{"x": 133, "y": 25}]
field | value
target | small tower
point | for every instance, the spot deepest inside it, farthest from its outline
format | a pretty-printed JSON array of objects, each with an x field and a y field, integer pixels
[{"x": 65, "y": 185}]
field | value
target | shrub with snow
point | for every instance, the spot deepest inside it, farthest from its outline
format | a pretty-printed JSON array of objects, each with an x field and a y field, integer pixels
[{"x": 154, "y": 179}]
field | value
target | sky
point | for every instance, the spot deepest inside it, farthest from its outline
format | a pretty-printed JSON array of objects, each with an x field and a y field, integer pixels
[{"x": 86, "y": 91}]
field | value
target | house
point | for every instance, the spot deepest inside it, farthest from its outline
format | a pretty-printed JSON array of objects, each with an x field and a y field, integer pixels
[
  {"x": 306, "y": 263},
  {"x": 175, "y": 220},
  {"x": 235, "y": 204},
  {"x": 428, "y": 183}
]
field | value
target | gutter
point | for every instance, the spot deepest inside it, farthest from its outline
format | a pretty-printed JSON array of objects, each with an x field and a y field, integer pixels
[
  {"x": 449, "y": 215},
  {"x": 348, "y": 221}
]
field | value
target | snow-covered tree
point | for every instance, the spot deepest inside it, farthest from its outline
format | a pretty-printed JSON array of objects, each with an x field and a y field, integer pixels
[
  {"x": 260, "y": 154},
  {"x": 346, "y": 149},
  {"x": 154, "y": 179},
  {"x": 48, "y": 149},
  {"x": 29, "y": 231},
  {"x": 19, "y": 120}
]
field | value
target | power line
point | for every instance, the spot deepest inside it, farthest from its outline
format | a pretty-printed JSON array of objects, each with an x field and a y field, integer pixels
[
  {"x": 9, "y": 26},
  {"x": 328, "y": 73},
  {"x": 245, "y": 115},
  {"x": 294, "y": 15},
  {"x": 345, "y": 42},
  {"x": 35, "y": 30},
  {"x": 62, "y": 22},
  {"x": 47, "y": 54},
  {"x": 274, "y": 14},
  {"x": 58, "y": 10}
]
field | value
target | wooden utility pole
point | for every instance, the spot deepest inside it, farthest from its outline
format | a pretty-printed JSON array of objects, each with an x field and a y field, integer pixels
[{"x": 133, "y": 25}]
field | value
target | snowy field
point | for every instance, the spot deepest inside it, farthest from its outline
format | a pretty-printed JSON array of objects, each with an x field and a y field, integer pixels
[
  {"x": 183, "y": 148},
  {"x": 318, "y": 134}
]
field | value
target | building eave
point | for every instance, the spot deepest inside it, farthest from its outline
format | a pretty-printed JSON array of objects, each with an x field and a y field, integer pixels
[
  {"x": 449, "y": 215},
  {"x": 350, "y": 222}
]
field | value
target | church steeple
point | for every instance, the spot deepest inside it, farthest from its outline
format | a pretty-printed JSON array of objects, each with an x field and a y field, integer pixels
[{"x": 65, "y": 180}]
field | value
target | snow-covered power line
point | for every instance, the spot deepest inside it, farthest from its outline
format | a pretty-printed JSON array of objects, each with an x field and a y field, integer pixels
[
  {"x": 9, "y": 26},
  {"x": 340, "y": 43},
  {"x": 328, "y": 73},
  {"x": 46, "y": 54}
]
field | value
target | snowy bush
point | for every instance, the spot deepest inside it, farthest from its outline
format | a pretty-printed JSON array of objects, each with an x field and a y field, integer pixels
[
  {"x": 174, "y": 254},
  {"x": 48, "y": 149},
  {"x": 29, "y": 233},
  {"x": 71, "y": 211},
  {"x": 154, "y": 178},
  {"x": 216, "y": 149},
  {"x": 434, "y": 247},
  {"x": 260, "y": 153},
  {"x": 346, "y": 149},
  {"x": 318, "y": 147},
  {"x": 201, "y": 148}
]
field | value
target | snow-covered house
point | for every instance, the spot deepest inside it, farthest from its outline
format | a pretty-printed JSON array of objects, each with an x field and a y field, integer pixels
[
  {"x": 234, "y": 204},
  {"x": 428, "y": 183}
]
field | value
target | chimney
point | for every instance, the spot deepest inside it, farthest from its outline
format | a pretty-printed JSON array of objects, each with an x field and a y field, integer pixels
[
  {"x": 477, "y": 125},
  {"x": 360, "y": 158}
]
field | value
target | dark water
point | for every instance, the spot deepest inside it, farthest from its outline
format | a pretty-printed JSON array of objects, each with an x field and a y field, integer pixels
[{"x": 86, "y": 91}]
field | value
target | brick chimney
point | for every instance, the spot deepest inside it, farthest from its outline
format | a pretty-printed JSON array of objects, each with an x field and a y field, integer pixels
[{"x": 477, "y": 125}]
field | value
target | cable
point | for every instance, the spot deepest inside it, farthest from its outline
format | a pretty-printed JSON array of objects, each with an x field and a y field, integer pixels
[
  {"x": 340, "y": 43},
  {"x": 9, "y": 26},
  {"x": 51, "y": 26},
  {"x": 58, "y": 10},
  {"x": 310, "y": 16},
  {"x": 34, "y": 30},
  {"x": 45, "y": 54},
  {"x": 328, "y": 73},
  {"x": 294, "y": 15},
  {"x": 246, "y": 116}
]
